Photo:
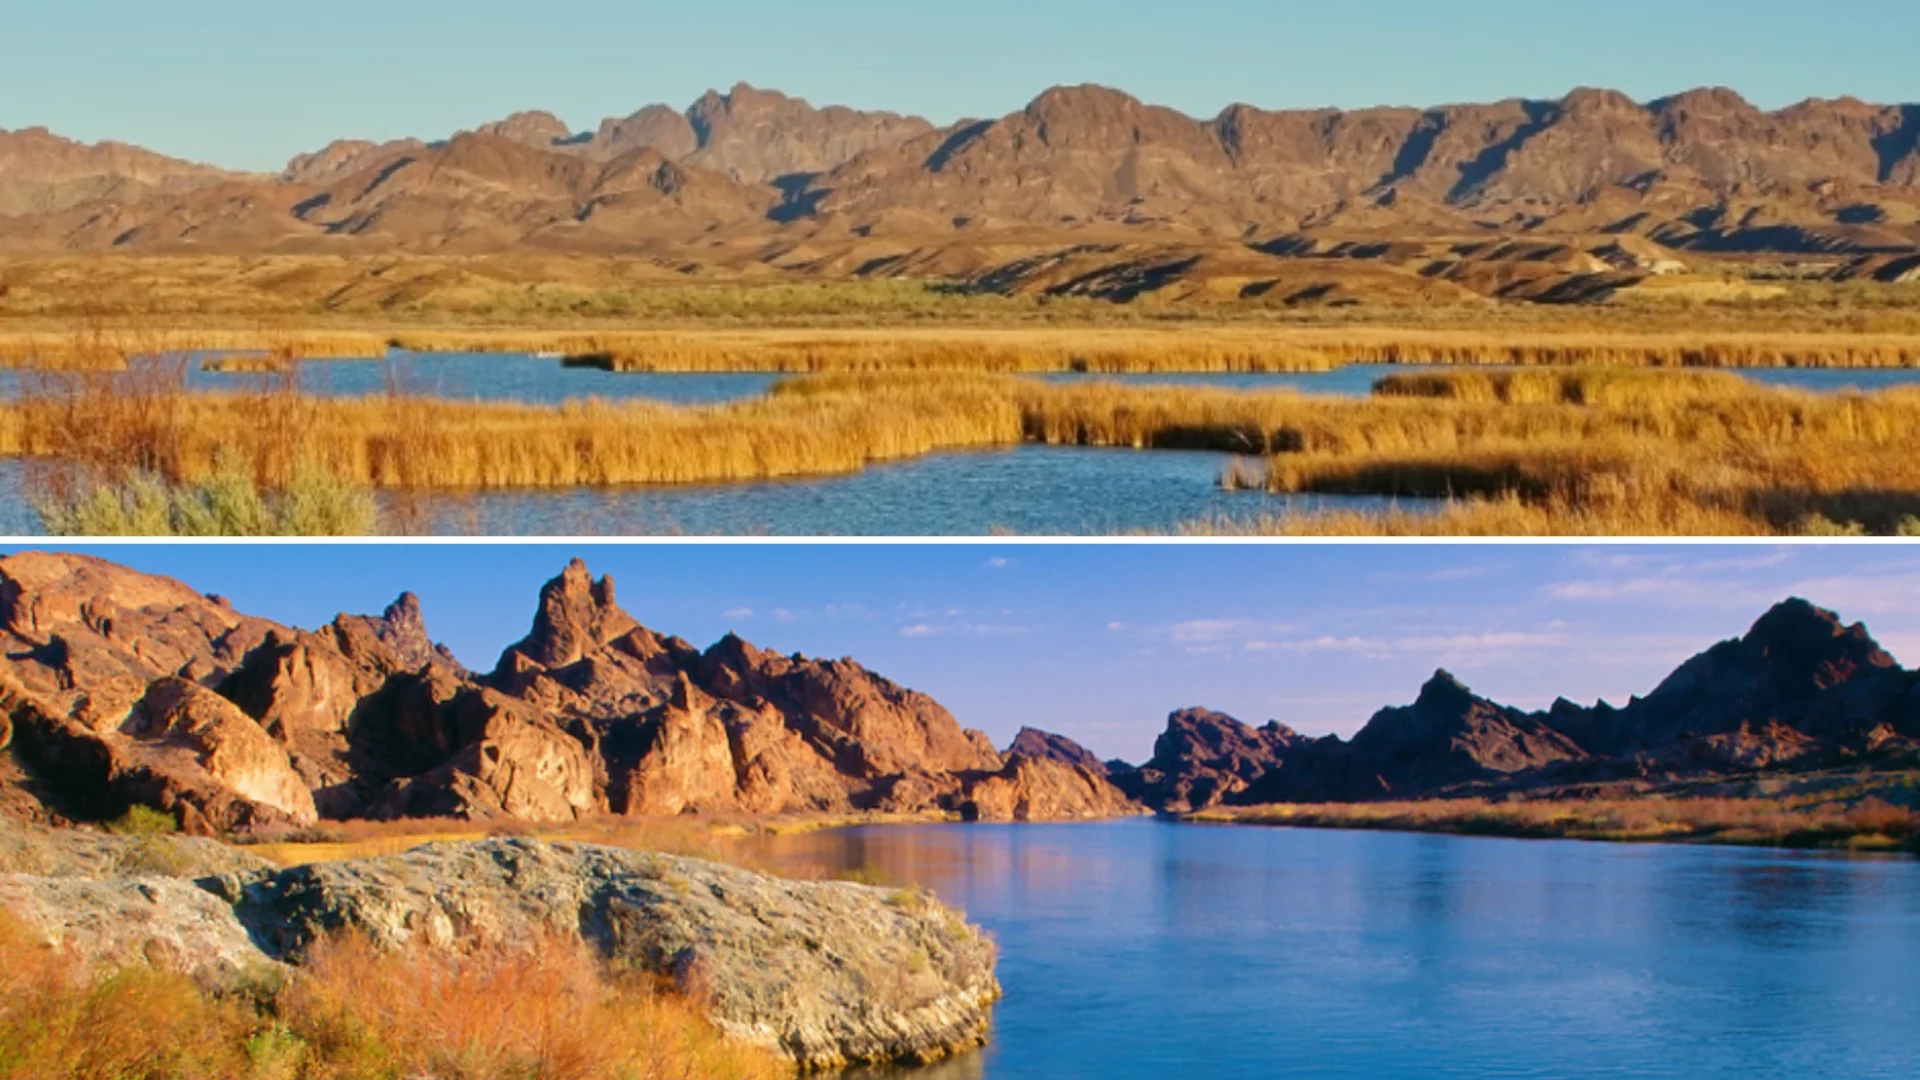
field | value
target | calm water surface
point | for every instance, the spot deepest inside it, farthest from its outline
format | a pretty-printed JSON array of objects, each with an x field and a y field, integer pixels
[
  {"x": 1029, "y": 489},
  {"x": 1150, "y": 949},
  {"x": 542, "y": 380}
]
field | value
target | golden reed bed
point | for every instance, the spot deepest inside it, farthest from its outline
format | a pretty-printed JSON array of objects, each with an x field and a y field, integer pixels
[
  {"x": 1167, "y": 348},
  {"x": 1871, "y": 824},
  {"x": 1573, "y": 451}
]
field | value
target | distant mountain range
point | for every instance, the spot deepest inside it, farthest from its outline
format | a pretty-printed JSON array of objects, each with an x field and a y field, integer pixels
[
  {"x": 1802, "y": 690},
  {"x": 754, "y": 175}
]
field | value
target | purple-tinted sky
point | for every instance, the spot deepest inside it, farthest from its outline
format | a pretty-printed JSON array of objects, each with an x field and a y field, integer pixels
[
  {"x": 1100, "y": 642},
  {"x": 247, "y": 84}
]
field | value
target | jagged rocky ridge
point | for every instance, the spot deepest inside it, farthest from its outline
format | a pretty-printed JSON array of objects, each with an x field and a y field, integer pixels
[
  {"x": 1801, "y": 690},
  {"x": 825, "y": 973},
  {"x": 1703, "y": 171},
  {"x": 121, "y": 688}
]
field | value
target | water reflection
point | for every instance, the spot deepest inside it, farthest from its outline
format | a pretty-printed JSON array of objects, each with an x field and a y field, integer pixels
[{"x": 1148, "y": 949}]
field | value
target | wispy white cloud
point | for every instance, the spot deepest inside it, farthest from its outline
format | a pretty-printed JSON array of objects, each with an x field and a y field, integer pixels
[
  {"x": 966, "y": 629},
  {"x": 737, "y": 613},
  {"x": 1465, "y": 649},
  {"x": 1863, "y": 594},
  {"x": 1118, "y": 627},
  {"x": 998, "y": 562}
]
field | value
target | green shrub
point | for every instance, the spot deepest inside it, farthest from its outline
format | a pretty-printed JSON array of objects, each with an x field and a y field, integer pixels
[
  {"x": 143, "y": 821},
  {"x": 225, "y": 503}
]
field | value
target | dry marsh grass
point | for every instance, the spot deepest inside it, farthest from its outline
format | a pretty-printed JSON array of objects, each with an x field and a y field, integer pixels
[
  {"x": 1618, "y": 451},
  {"x": 352, "y": 1012},
  {"x": 1574, "y": 451},
  {"x": 1803, "y": 821},
  {"x": 736, "y": 841}
]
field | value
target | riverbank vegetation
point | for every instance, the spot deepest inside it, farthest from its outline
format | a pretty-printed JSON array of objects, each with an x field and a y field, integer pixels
[
  {"x": 1804, "y": 821},
  {"x": 352, "y": 1012},
  {"x": 1603, "y": 450}
]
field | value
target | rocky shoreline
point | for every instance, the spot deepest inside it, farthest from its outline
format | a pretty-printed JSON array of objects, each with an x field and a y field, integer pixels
[{"x": 825, "y": 974}]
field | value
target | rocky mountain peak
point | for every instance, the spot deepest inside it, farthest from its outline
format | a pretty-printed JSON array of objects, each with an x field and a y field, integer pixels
[
  {"x": 1445, "y": 693},
  {"x": 535, "y": 128},
  {"x": 577, "y": 615},
  {"x": 1044, "y": 745},
  {"x": 1591, "y": 101},
  {"x": 1804, "y": 642}
]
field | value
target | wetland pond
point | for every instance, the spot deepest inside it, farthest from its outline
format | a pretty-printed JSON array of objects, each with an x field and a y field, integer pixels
[{"x": 1025, "y": 490}]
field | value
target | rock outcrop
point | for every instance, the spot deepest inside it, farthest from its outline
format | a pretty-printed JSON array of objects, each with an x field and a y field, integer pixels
[
  {"x": 1034, "y": 743},
  {"x": 825, "y": 973},
  {"x": 1043, "y": 789},
  {"x": 1204, "y": 757},
  {"x": 123, "y": 689}
]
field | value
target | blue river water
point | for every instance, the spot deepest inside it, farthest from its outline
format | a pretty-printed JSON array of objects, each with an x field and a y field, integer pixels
[{"x": 1148, "y": 949}]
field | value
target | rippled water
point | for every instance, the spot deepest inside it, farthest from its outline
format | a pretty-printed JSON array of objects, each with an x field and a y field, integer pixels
[
  {"x": 1030, "y": 490},
  {"x": 1150, "y": 949}
]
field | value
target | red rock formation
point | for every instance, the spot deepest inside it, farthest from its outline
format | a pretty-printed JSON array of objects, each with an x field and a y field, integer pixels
[
  {"x": 1204, "y": 757},
  {"x": 125, "y": 688},
  {"x": 1043, "y": 789},
  {"x": 1034, "y": 743}
]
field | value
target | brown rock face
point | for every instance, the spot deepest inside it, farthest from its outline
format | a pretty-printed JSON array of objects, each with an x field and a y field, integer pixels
[
  {"x": 120, "y": 688},
  {"x": 507, "y": 761},
  {"x": 1043, "y": 789},
  {"x": 211, "y": 756},
  {"x": 1204, "y": 757},
  {"x": 866, "y": 725},
  {"x": 1034, "y": 743}
]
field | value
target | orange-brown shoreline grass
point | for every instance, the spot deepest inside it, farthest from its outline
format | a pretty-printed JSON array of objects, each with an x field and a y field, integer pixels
[
  {"x": 734, "y": 840},
  {"x": 354, "y": 1012},
  {"x": 1802, "y": 821},
  {"x": 109, "y": 348}
]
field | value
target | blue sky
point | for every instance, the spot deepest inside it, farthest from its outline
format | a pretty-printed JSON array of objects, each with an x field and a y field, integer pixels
[
  {"x": 1100, "y": 642},
  {"x": 247, "y": 84}
]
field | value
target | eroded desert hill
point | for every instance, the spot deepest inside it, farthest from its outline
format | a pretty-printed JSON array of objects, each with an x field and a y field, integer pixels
[{"x": 1592, "y": 184}]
